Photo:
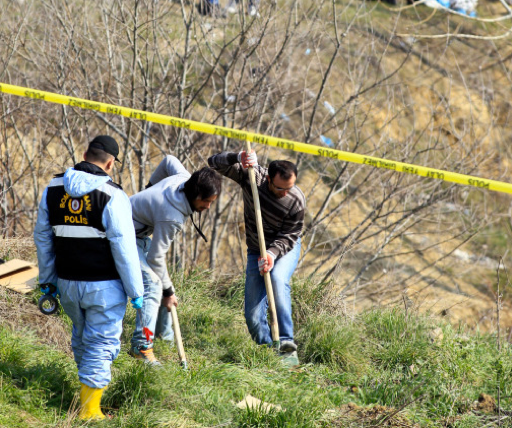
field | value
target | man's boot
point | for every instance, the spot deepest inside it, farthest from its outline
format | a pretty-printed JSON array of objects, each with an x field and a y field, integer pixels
[
  {"x": 90, "y": 403},
  {"x": 288, "y": 353},
  {"x": 145, "y": 354}
]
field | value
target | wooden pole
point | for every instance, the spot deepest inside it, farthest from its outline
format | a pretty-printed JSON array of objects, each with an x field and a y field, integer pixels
[
  {"x": 177, "y": 336},
  {"x": 274, "y": 328}
]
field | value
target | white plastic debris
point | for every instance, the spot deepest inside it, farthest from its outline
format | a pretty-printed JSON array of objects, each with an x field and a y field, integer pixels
[
  {"x": 330, "y": 108},
  {"x": 310, "y": 93},
  {"x": 252, "y": 402},
  {"x": 326, "y": 140},
  {"x": 285, "y": 117}
]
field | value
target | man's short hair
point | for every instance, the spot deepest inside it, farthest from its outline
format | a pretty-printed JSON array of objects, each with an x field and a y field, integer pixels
[
  {"x": 94, "y": 154},
  {"x": 203, "y": 184},
  {"x": 282, "y": 167}
]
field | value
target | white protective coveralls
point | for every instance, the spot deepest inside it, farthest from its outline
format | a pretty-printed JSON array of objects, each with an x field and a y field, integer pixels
[{"x": 95, "y": 307}]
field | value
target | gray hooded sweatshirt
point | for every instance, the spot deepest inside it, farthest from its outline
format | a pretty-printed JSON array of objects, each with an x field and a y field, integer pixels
[{"x": 161, "y": 211}]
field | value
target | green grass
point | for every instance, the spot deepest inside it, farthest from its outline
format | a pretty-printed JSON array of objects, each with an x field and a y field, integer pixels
[{"x": 382, "y": 357}]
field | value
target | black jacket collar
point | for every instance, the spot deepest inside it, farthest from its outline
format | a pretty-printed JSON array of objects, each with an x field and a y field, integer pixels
[{"x": 90, "y": 168}]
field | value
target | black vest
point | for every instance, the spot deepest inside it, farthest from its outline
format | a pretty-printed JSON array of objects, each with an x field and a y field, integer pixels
[{"x": 82, "y": 250}]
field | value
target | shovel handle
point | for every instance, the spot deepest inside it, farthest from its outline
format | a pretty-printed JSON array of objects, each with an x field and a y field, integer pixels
[
  {"x": 177, "y": 336},
  {"x": 274, "y": 328}
]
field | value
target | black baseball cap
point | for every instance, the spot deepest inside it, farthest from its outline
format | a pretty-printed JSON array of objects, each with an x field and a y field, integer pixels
[{"x": 107, "y": 144}]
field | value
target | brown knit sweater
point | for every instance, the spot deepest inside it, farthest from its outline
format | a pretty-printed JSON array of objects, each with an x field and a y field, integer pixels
[{"x": 283, "y": 218}]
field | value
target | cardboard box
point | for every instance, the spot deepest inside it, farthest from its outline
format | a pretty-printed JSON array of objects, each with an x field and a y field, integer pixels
[{"x": 19, "y": 276}]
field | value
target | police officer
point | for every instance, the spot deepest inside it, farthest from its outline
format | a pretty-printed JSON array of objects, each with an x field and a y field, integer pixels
[{"x": 86, "y": 248}]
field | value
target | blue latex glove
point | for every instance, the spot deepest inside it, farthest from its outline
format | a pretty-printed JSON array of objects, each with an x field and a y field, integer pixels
[
  {"x": 45, "y": 289},
  {"x": 137, "y": 303}
]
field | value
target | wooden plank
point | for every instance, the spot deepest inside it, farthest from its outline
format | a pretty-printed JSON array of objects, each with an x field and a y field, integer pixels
[{"x": 13, "y": 265}]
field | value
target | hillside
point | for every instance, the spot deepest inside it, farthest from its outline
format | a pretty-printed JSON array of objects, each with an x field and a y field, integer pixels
[
  {"x": 387, "y": 367},
  {"x": 387, "y": 258},
  {"x": 366, "y": 77}
]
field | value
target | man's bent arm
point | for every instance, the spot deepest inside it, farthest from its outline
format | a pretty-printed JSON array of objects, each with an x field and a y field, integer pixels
[
  {"x": 226, "y": 163},
  {"x": 169, "y": 167},
  {"x": 43, "y": 238},
  {"x": 117, "y": 220},
  {"x": 163, "y": 235}
]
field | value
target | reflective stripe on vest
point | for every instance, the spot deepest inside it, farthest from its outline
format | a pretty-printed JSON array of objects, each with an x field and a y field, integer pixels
[
  {"x": 78, "y": 232},
  {"x": 82, "y": 250}
]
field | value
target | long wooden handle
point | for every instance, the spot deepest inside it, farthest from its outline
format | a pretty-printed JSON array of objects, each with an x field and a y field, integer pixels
[
  {"x": 177, "y": 336},
  {"x": 274, "y": 327}
]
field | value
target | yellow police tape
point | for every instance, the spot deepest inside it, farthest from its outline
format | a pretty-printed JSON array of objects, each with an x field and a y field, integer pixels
[{"x": 422, "y": 171}]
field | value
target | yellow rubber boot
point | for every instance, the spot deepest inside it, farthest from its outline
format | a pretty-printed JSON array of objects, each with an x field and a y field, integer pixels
[{"x": 90, "y": 403}]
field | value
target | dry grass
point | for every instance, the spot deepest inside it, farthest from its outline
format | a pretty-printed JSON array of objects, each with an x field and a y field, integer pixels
[
  {"x": 18, "y": 248},
  {"x": 19, "y": 313},
  {"x": 375, "y": 416}
]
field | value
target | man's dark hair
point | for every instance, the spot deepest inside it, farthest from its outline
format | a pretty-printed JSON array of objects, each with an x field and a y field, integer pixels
[
  {"x": 284, "y": 168},
  {"x": 94, "y": 154},
  {"x": 203, "y": 184}
]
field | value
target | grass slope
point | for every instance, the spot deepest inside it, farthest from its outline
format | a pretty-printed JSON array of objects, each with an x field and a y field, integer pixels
[{"x": 386, "y": 367}]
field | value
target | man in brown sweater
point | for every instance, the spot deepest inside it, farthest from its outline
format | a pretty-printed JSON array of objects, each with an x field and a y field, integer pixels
[{"x": 282, "y": 209}]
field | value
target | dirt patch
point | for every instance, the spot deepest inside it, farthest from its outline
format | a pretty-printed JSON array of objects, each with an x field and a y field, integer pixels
[
  {"x": 485, "y": 403},
  {"x": 381, "y": 416},
  {"x": 19, "y": 313}
]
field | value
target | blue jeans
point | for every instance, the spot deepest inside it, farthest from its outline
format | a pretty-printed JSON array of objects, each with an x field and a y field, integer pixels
[
  {"x": 97, "y": 309},
  {"x": 154, "y": 315},
  {"x": 256, "y": 303}
]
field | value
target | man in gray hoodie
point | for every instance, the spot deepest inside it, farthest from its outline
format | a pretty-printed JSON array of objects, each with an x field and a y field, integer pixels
[{"x": 171, "y": 196}]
